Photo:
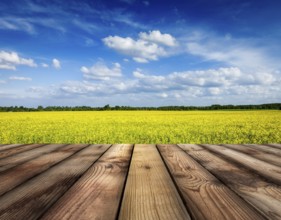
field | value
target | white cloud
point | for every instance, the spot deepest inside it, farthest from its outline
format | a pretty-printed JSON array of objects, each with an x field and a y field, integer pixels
[
  {"x": 163, "y": 95},
  {"x": 157, "y": 37},
  {"x": 56, "y": 63},
  {"x": 100, "y": 71},
  {"x": 144, "y": 49},
  {"x": 7, "y": 67},
  {"x": 215, "y": 91},
  {"x": 208, "y": 78},
  {"x": 14, "y": 23},
  {"x": 9, "y": 60},
  {"x": 137, "y": 73},
  {"x": 140, "y": 60},
  {"x": 19, "y": 78},
  {"x": 222, "y": 85},
  {"x": 28, "y": 24},
  {"x": 2, "y": 81},
  {"x": 45, "y": 65},
  {"x": 242, "y": 53},
  {"x": 88, "y": 27}
]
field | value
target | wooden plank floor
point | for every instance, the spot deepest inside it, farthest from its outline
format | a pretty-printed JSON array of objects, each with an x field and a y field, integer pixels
[{"x": 141, "y": 181}]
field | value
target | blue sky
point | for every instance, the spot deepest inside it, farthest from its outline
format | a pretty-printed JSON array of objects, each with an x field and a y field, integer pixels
[{"x": 139, "y": 52}]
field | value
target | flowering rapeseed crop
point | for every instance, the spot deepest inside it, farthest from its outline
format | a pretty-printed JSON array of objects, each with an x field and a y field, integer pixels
[{"x": 211, "y": 127}]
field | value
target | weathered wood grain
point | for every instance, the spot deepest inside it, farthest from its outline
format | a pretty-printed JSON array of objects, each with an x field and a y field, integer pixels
[
  {"x": 19, "y": 149},
  {"x": 31, "y": 199},
  {"x": 11, "y": 178},
  {"x": 9, "y": 146},
  {"x": 205, "y": 196},
  {"x": 258, "y": 152},
  {"x": 266, "y": 148},
  {"x": 150, "y": 193},
  {"x": 275, "y": 145},
  {"x": 267, "y": 170},
  {"x": 263, "y": 195},
  {"x": 11, "y": 161},
  {"x": 98, "y": 193}
]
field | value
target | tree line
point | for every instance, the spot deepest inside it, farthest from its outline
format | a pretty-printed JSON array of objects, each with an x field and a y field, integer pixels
[{"x": 270, "y": 106}]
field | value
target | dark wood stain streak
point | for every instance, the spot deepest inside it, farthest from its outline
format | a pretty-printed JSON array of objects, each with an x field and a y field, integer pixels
[
  {"x": 81, "y": 181},
  {"x": 263, "y": 195},
  {"x": 265, "y": 148},
  {"x": 9, "y": 146},
  {"x": 278, "y": 146},
  {"x": 37, "y": 195},
  {"x": 256, "y": 152},
  {"x": 267, "y": 170},
  {"x": 14, "y": 160},
  {"x": 98, "y": 193},
  {"x": 205, "y": 196},
  {"x": 18, "y": 149},
  {"x": 18, "y": 174}
]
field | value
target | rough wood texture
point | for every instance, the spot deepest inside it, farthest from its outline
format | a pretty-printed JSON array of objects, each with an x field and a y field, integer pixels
[
  {"x": 275, "y": 145},
  {"x": 19, "y": 149},
  {"x": 263, "y": 195},
  {"x": 9, "y": 162},
  {"x": 83, "y": 181},
  {"x": 97, "y": 194},
  {"x": 265, "y": 148},
  {"x": 261, "y": 154},
  {"x": 264, "y": 169},
  {"x": 18, "y": 174},
  {"x": 9, "y": 146},
  {"x": 150, "y": 193},
  {"x": 31, "y": 199},
  {"x": 206, "y": 197}
]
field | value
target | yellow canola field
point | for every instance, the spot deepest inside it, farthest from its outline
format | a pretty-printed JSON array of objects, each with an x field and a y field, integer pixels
[{"x": 213, "y": 127}]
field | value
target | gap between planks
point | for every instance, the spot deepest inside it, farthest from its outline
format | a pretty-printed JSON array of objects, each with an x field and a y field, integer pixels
[{"x": 143, "y": 167}]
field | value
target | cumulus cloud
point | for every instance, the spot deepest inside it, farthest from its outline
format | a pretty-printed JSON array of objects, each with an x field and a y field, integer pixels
[
  {"x": 157, "y": 37},
  {"x": 56, "y": 63},
  {"x": 20, "y": 78},
  {"x": 100, "y": 71},
  {"x": 144, "y": 49},
  {"x": 221, "y": 85},
  {"x": 9, "y": 60},
  {"x": 221, "y": 82}
]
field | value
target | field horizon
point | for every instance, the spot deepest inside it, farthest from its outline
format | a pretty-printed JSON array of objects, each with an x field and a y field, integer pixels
[{"x": 166, "y": 127}]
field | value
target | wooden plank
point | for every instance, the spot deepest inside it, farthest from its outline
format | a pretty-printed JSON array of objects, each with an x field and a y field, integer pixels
[
  {"x": 18, "y": 174},
  {"x": 265, "y": 148},
  {"x": 267, "y": 170},
  {"x": 256, "y": 152},
  {"x": 14, "y": 160},
  {"x": 19, "y": 149},
  {"x": 263, "y": 195},
  {"x": 98, "y": 193},
  {"x": 205, "y": 196},
  {"x": 9, "y": 146},
  {"x": 278, "y": 146},
  {"x": 150, "y": 192},
  {"x": 31, "y": 199}
]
